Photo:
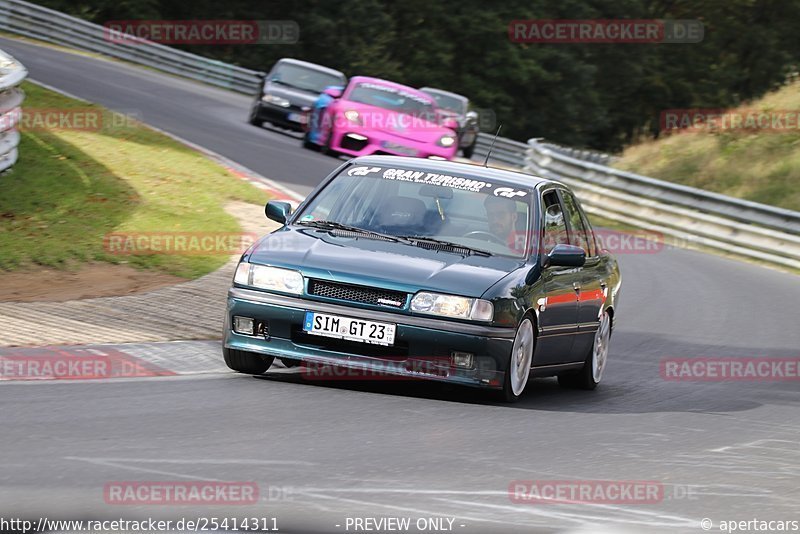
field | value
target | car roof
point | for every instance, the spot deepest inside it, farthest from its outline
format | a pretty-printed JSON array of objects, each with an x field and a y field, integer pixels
[
  {"x": 310, "y": 65},
  {"x": 443, "y": 92},
  {"x": 452, "y": 167}
]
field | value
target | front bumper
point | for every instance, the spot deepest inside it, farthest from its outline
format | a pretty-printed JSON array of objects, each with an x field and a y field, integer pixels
[
  {"x": 422, "y": 346},
  {"x": 291, "y": 117},
  {"x": 349, "y": 141}
]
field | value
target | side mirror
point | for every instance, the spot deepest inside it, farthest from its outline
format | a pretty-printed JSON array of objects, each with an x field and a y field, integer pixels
[
  {"x": 472, "y": 116},
  {"x": 332, "y": 92},
  {"x": 278, "y": 211},
  {"x": 565, "y": 256}
]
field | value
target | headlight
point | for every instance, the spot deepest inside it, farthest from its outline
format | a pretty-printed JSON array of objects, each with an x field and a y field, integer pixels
[
  {"x": 452, "y": 306},
  {"x": 353, "y": 116},
  {"x": 277, "y": 100},
  {"x": 447, "y": 140},
  {"x": 270, "y": 278}
]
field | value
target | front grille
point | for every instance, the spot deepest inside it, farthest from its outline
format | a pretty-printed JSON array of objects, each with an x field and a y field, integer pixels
[
  {"x": 348, "y": 143},
  {"x": 364, "y": 295}
]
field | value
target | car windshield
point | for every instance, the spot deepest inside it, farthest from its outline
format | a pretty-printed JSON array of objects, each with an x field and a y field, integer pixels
[
  {"x": 471, "y": 212},
  {"x": 303, "y": 78},
  {"x": 448, "y": 102},
  {"x": 392, "y": 98}
]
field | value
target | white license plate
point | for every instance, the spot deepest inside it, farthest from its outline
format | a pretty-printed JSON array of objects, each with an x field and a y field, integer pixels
[
  {"x": 348, "y": 328},
  {"x": 297, "y": 117},
  {"x": 400, "y": 149}
]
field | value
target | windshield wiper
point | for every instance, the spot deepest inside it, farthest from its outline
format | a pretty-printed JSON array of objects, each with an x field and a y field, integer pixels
[
  {"x": 333, "y": 225},
  {"x": 433, "y": 241}
]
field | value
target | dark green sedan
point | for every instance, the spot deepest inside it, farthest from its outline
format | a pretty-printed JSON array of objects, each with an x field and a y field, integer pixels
[{"x": 415, "y": 268}]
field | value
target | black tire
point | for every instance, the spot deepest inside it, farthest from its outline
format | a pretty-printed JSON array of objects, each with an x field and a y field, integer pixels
[
  {"x": 308, "y": 144},
  {"x": 585, "y": 378},
  {"x": 327, "y": 150},
  {"x": 289, "y": 363},
  {"x": 253, "y": 117},
  {"x": 470, "y": 150},
  {"x": 248, "y": 363}
]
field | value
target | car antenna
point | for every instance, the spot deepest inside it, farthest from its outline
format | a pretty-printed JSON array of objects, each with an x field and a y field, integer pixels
[{"x": 489, "y": 153}]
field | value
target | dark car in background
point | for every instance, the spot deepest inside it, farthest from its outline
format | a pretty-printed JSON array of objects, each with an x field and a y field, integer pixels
[
  {"x": 455, "y": 114},
  {"x": 289, "y": 91},
  {"x": 428, "y": 269}
]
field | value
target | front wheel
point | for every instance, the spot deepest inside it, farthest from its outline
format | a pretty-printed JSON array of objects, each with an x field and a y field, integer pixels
[
  {"x": 327, "y": 150},
  {"x": 519, "y": 365},
  {"x": 248, "y": 363},
  {"x": 592, "y": 372},
  {"x": 307, "y": 142},
  {"x": 253, "y": 117}
]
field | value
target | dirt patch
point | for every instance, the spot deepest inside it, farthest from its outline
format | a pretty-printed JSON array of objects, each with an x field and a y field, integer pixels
[{"x": 91, "y": 280}]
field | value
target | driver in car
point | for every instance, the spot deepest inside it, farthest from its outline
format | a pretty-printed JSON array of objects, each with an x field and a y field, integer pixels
[{"x": 501, "y": 213}]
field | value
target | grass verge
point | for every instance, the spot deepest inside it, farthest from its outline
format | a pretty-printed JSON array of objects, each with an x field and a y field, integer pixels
[
  {"x": 73, "y": 187},
  {"x": 760, "y": 164}
]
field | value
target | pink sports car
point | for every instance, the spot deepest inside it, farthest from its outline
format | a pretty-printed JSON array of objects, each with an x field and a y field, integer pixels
[{"x": 374, "y": 116}]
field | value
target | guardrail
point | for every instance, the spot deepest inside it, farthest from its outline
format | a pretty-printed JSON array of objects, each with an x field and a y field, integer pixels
[
  {"x": 581, "y": 154},
  {"x": 505, "y": 150},
  {"x": 685, "y": 214},
  {"x": 12, "y": 73},
  {"x": 31, "y": 20},
  {"x": 692, "y": 215}
]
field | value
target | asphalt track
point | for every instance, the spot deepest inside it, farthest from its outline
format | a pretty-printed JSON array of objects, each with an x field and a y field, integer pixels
[{"x": 323, "y": 452}]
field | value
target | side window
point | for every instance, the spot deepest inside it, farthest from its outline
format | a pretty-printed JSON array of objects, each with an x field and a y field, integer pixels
[
  {"x": 577, "y": 232},
  {"x": 555, "y": 227}
]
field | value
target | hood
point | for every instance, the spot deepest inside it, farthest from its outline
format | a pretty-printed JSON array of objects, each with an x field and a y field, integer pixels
[
  {"x": 399, "y": 124},
  {"x": 385, "y": 264},
  {"x": 297, "y": 97}
]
